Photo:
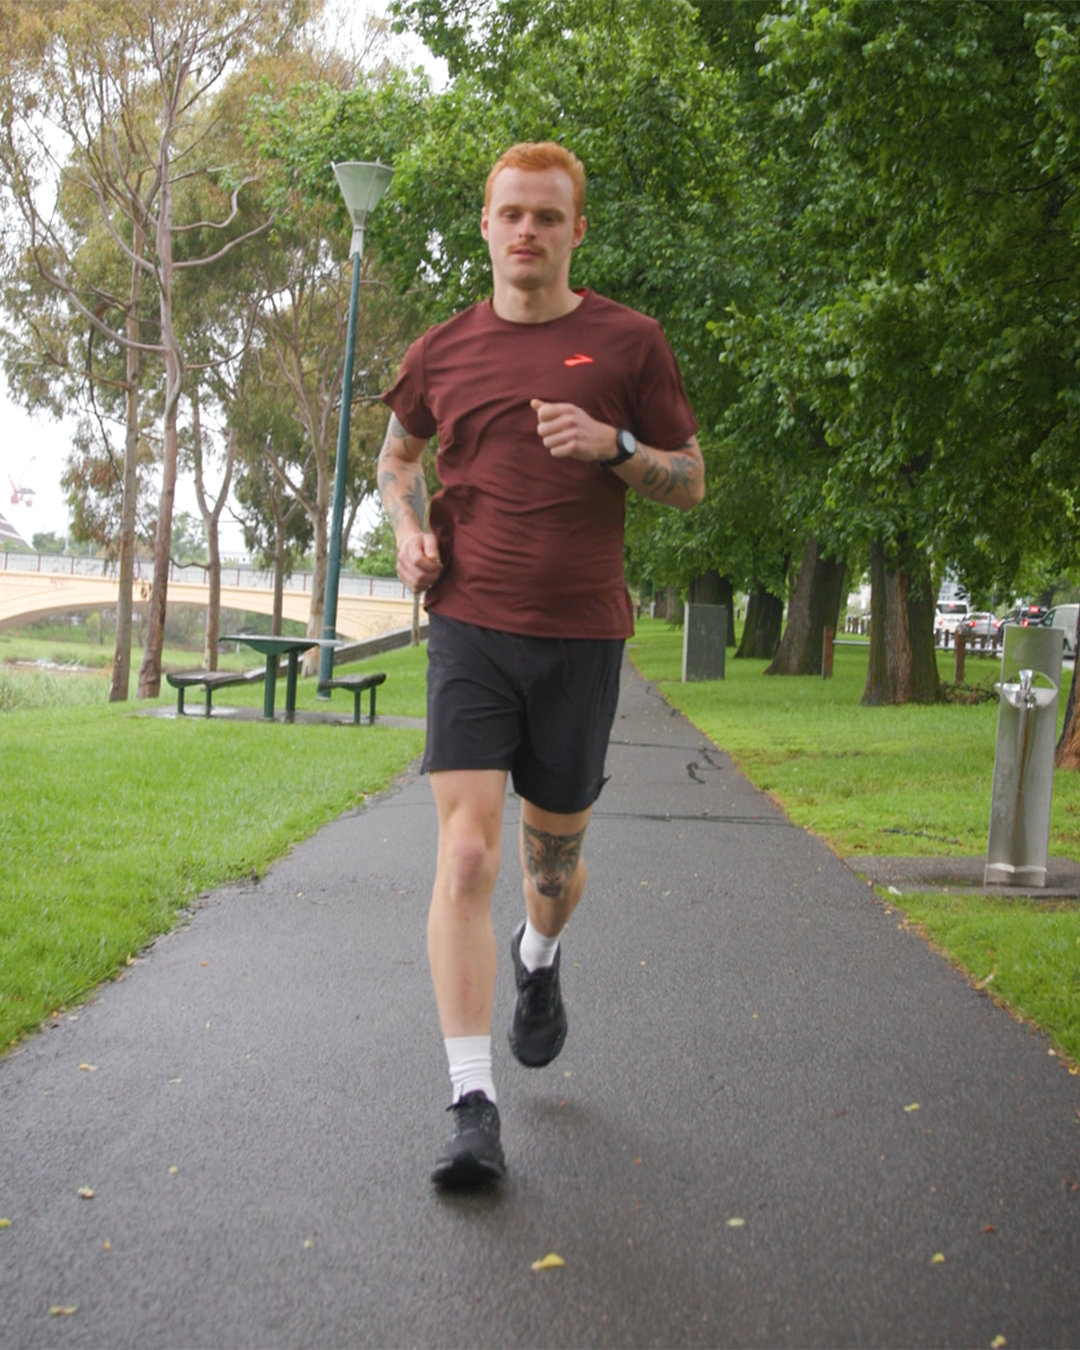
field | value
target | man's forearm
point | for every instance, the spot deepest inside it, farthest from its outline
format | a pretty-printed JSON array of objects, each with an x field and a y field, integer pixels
[
  {"x": 402, "y": 484},
  {"x": 673, "y": 477}
]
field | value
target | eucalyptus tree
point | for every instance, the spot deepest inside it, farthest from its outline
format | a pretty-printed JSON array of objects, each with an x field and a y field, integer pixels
[{"x": 117, "y": 96}]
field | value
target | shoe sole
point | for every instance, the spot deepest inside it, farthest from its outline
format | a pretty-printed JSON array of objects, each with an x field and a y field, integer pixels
[
  {"x": 468, "y": 1171},
  {"x": 537, "y": 1063}
]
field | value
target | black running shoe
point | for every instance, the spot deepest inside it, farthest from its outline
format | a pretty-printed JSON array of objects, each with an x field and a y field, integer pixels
[
  {"x": 538, "y": 1028},
  {"x": 473, "y": 1155}
]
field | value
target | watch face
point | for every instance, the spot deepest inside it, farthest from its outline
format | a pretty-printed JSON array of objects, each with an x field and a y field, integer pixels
[{"x": 626, "y": 443}]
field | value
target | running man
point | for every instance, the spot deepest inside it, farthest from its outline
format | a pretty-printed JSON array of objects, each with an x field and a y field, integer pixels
[{"x": 548, "y": 404}]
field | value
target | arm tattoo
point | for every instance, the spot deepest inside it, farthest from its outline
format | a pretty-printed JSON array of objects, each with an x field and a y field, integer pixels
[
  {"x": 550, "y": 859},
  {"x": 416, "y": 496},
  {"x": 401, "y": 479},
  {"x": 668, "y": 475}
]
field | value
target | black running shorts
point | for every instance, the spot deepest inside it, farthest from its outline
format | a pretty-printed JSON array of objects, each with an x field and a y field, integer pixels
[{"x": 540, "y": 708}]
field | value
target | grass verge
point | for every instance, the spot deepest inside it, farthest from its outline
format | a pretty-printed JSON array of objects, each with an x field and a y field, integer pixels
[
  {"x": 904, "y": 782},
  {"x": 111, "y": 823}
]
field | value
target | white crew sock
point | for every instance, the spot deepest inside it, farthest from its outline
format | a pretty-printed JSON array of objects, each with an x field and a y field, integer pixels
[
  {"x": 537, "y": 951},
  {"x": 469, "y": 1058}
]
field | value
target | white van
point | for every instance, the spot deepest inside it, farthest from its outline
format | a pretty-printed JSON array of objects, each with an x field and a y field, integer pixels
[
  {"x": 1064, "y": 617},
  {"x": 950, "y": 615}
]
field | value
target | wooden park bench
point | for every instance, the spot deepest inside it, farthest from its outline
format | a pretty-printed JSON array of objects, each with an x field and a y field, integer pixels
[
  {"x": 357, "y": 683},
  {"x": 210, "y": 680}
]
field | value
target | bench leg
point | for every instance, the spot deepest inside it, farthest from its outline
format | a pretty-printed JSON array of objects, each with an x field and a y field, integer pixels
[
  {"x": 209, "y": 697},
  {"x": 180, "y": 701},
  {"x": 358, "y": 694},
  {"x": 371, "y": 707}
]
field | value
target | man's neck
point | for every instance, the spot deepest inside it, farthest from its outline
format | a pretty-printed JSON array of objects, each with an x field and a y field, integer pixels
[{"x": 539, "y": 306}]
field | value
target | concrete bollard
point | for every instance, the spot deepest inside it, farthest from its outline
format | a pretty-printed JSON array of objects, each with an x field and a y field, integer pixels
[{"x": 704, "y": 634}]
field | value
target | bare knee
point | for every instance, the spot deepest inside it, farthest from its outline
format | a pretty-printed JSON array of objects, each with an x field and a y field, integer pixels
[{"x": 468, "y": 864}]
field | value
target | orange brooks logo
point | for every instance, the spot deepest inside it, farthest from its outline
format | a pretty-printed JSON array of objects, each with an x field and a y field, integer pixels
[{"x": 578, "y": 360}]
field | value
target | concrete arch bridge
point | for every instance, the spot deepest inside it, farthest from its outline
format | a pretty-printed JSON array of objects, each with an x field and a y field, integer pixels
[{"x": 34, "y": 586}]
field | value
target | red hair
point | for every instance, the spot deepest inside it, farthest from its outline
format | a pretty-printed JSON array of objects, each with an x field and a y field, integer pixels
[{"x": 533, "y": 157}]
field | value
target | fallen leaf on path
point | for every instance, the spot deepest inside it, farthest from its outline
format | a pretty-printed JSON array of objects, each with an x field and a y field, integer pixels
[
  {"x": 989, "y": 1228},
  {"x": 998, "y": 1343},
  {"x": 59, "y": 1310},
  {"x": 106, "y": 1246},
  {"x": 5, "y": 1223},
  {"x": 173, "y": 1171},
  {"x": 938, "y": 1259},
  {"x": 736, "y": 1223},
  {"x": 550, "y": 1262},
  {"x": 89, "y": 1068},
  {"x": 85, "y": 1193},
  {"x": 913, "y": 1107}
]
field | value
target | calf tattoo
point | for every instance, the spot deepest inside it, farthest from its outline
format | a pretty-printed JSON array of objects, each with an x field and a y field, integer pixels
[{"x": 550, "y": 859}]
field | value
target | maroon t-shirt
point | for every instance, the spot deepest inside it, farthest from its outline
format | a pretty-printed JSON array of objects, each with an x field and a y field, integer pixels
[{"x": 532, "y": 544}]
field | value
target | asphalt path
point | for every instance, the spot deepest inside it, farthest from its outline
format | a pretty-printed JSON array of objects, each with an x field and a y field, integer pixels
[{"x": 780, "y": 1118}]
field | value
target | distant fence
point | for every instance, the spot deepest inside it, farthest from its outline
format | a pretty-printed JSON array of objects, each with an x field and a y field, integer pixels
[{"x": 232, "y": 574}]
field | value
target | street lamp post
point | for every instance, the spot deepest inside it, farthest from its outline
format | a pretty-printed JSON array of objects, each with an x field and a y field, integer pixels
[{"x": 361, "y": 185}]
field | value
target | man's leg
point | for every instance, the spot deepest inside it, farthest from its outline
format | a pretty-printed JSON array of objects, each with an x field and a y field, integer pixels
[
  {"x": 462, "y": 953},
  {"x": 554, "y": 879},
  {"x": 461, "y": 936},
  {"x": 552, "y": 865}
]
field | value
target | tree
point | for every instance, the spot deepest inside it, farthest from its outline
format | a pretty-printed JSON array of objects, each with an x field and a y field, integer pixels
[
  {"x": 127, "y": 87},
  {"x": 814, "y": 606},
  {"x": 939, "y": 352}
]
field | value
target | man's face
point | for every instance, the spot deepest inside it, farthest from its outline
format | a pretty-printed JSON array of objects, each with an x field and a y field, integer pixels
[{"x": 531, "y": 228}]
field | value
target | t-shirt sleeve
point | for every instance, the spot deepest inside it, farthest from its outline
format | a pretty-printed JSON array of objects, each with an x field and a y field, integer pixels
[
  {"x": 406, "y": 395},
  {"x": 665, "y": 419}
]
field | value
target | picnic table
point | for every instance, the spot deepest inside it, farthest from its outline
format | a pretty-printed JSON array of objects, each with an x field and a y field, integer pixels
[{"x": 272, "y": 648}]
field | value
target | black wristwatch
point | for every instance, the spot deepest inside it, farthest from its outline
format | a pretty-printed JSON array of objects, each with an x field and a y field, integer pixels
[{"x": 625, "y": 448}]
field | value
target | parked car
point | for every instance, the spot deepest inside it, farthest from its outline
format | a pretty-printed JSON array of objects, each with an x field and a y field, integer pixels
[
  {"x": 950, "y": 615},
  {"x": 1025, "y": 615},
  {"x": 981, "y": 625},
  {"x": 1064, "y": 617}
]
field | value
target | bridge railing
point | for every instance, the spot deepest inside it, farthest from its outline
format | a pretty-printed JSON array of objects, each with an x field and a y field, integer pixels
[{"x": 232, "y": 574}]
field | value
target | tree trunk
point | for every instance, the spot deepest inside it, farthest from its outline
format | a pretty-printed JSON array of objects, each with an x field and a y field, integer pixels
[
  {"x": 761, "y": 632},
  {"x": 211, "y": 518},
  {"x": 712, "y": 589},
  {"x": 121, "y": 673},
  {"x": 1067, "y": 755},
  {"x": 815, "y": 606},
  {"x": 903, "y": 663},
  {"x": 310, "y": 661},
  {"x": 150, "y": 672}
]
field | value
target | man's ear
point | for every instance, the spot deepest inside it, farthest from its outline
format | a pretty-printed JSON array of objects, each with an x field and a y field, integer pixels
[
  {"x": 579, "y": 231},
  {"x": 484, "y": 223}
]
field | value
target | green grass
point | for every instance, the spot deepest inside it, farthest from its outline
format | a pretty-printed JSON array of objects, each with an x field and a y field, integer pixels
[
  {"x": 904, "y": 782},
  {"x": 909, "y": 782},
  {"x": 111, "y": 823}
]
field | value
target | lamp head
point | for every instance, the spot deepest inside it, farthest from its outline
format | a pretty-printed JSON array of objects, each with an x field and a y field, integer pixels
[{"x": 362, "y": 185}]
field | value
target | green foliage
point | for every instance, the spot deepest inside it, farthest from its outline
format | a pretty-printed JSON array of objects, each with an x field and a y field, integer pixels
[
  {"x": 377, "y": 555},
  {"x": 44, "y": 541}
]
